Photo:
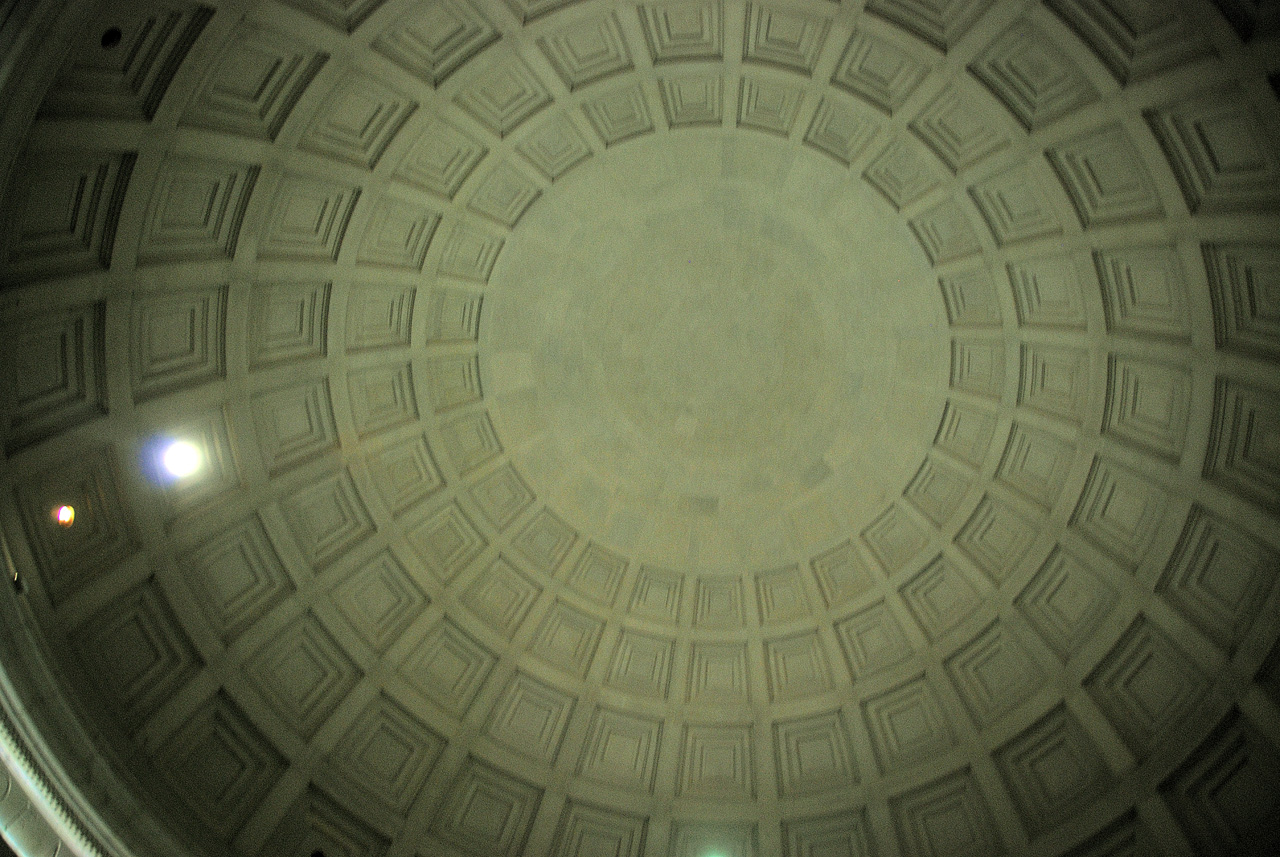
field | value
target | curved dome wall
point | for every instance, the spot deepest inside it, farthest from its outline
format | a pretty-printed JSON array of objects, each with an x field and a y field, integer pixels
[{"x": 669, "y": 429}]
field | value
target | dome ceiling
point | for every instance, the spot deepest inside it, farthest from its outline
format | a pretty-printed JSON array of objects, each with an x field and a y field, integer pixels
[{"x": 654, "y": 430}]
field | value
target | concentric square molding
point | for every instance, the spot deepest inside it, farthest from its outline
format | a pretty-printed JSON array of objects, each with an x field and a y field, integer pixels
[
  {"x": 781, "y": 596},
  {"x": 136, "y": 652},
  {"x": 1134, "y": 41},
  {"x": 597, "y": 574},
  {"x": 504, "y": 96},
  {"x": 432, "y": 42},
  {"x": 585, "y": 830},
  {"x": 1105, "y": 177},
  {"x": 501, "y": 596},
  {"x": 1066, "y": 602},
  {"x": 945, "y": 233},
  {"x": 1052, "y": 770},
  {"x": 130, "y": 82},
  {"x": 405, "y": 472},
  {"x": 237, "y": 577},
  {"x": 949, "y": 817},
  {"x": 894, "y": 538},
  {"x": 718, "y": 603},
  {"x": 940, "y": 596},
  {"x": 1015, "y": 208},
  {"x": 642, "y": 665},
  {"x": 977, "y": 366},
  {"x": 1146, "y": 686},
  {"x": 71, "y": 559},
  {"x": 318, "y": 822},
  {"x": 448, "y": 666},
  {"x": 1047, "y": 292},
  {"x": 1144, "y": 292},
  {"x": 1035, "y": 80},
  {"x": 379, "y": 316},
  {"x": 555, "y": 147},
  {"x": 994, "y": 673},
  {"x": 902, "y": 173},
  {"x": 380, "y": 599},
  {"x": 221, "y": 765},
  {"x": 328, "y": 517},
  {"x": 530, "y": 717},
  {"x": 587, "y": 50},
  {"x": 387, "y": 754},
  {"x": 784, "y": 38},
  {"x": 941, "y": 23},
  {"x": 304, "y": 674},
  {"x": 1223, "y": 156},
  {"x": 656, "y": 595},
  {"x": 1054, "y": 379},
  {"x": 1242, "y": 455},
  {"x": 446, "y": 540},
  {"x": 797, "y": 667},
  {"x": 768, "y": 106},
  {"x": 879, "y": 72},
  {"x": 841, "y": 130},
  {"x": 255, "y": 84},
  {"x": 684, "y": 31},
  {"x": 965, "y": 431},
  {"x": 398, "y": 235},
  {"x": 717, "y": 762},
  {"x": 505, "y": 194},
  {"x": 487, "y": 812},
  {"x": 1226, "y": 794},
  {"x": 441, "y": 159},
  {"x": 1219, "y": 577},
  {"x": 620, "y": 115},
  {"x": 691, "y": 101},
  {"x": 295, "y": 424},
  {"x": 63, "y": 216},
  {"x": 1035, "y": 463},
  {"x": 718, "y": 674},
  {"x": 52, "y": 374},
  {"x": 955, "y": 127},
  {"x": 288, "y": 321},
  {"x": 1244, "y": 281},
  {"x": 813, "y": 754},
  {"x": 567, "y": 639},
  {"x": 453, "y": 315},
  {"x": 308, "y": 219},
  {"x": 621, "y": 749},
  {"x": 842, "y": 834},
  {"x": 196, "y": 210},
  {"x": 1148, "y": 404},
  {"x": 502, "y": 495},
  {"x": 996, "y": 537},
  {"x": 873, "y": 640},
  {"x": 1120, "y": 511},
  {"x": 179, "y": 340},
  {"x": 545, "y": 541},
  {"x": 907, "y": 725},
  {"x": 841, "y": 573}
]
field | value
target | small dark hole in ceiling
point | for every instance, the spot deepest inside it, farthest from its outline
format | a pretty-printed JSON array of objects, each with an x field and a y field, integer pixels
[{"x": 111, "y": 37}]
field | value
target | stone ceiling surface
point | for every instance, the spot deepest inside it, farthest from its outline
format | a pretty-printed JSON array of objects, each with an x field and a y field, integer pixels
[{"x": 649, "y": 430}]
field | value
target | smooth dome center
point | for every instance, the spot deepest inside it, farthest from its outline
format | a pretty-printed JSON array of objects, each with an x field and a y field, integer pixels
[{"x": 713, "y": 351}]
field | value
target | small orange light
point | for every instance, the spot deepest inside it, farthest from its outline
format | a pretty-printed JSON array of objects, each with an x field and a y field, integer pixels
[{"x": 64, "y": 515}]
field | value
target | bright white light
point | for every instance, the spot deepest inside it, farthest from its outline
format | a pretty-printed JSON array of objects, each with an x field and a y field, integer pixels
[{"x": 181, "y": 458}]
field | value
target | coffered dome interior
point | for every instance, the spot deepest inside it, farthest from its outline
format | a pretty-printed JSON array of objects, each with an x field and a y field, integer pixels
[{"x": 679, "y": 429}]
